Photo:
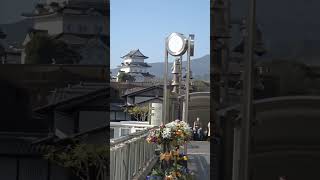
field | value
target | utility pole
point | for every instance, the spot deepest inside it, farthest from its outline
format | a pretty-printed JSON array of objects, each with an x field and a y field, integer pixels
[
  {"x": 165, "y": 89},
  {"x": 247, "y": 112},
  {"x": 221, "y": 49}
]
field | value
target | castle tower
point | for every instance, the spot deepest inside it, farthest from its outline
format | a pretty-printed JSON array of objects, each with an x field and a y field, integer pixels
[
  {"x": 135, "y": 66},
  {"x": 79, "y": 23}
]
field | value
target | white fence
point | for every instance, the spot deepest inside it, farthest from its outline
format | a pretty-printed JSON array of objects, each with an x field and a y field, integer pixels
[{"x": 130, "y": 155}]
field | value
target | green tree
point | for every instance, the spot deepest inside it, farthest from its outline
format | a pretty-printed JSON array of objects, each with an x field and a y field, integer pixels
[
  {"x": 123, "y": 77},
  {"x": 42, "y": 49},
  {"x": 86, "y": 161},
  {"x": 140, "y": 113}
]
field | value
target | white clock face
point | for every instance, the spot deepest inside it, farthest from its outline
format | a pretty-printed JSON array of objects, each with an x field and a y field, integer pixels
[{"x": 175, "y": 44}]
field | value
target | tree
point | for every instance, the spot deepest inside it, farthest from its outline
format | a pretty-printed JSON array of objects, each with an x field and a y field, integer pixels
[
  {"x": 140, "y": 113},
  {"x": 123, "y": 77},
  {"x": 42, "y": 49},
  {"x": 86, "y": 161}
]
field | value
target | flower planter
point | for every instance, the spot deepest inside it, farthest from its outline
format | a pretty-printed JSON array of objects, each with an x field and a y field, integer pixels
[{"x": 172, "y": 164}]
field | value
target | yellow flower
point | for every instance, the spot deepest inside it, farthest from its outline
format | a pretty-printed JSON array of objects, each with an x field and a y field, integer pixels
[{"x": 185, "y": 158}]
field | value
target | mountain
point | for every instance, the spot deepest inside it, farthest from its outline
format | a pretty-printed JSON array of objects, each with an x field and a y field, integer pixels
[
  {"x": 16, "y": 32},
  {"x": 200, "y": 68}
]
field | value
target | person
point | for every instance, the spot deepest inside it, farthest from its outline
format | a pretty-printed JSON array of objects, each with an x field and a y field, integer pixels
[
  {"x": 197, "y": 129},
  {"x": 208, "y": 131},
  {"x": 282, "y": 178}
]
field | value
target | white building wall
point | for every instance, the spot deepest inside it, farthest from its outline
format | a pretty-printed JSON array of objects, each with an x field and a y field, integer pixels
[
  {"x": 54, "y": 25},
  {"x": 134, "y": 69},
  {"x": 125, "y": 69},
  {"x": 90, "y": 24},
  {"x": 156, "y": 114},
  {"x": 129, "y": 60}
]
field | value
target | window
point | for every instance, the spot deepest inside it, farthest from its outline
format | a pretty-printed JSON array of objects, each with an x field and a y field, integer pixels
[
  {"x": 82, "y": 28},
  {"x": 98, "y": 29},
  {"x": 128, "y": 117},
  {"x": 121, "y": 116},
  {"x": 112, "y": 116},
  {"x": 69, "y": 27},
  {"x": 111, "y": 133},
  {"x": 125, "y": 131}
]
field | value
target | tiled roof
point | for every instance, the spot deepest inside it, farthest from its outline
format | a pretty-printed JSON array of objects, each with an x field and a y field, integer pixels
[
  {"x": 74, "y": 93},
  {"x": 135, "y": 54},
  {"x": 147, "y": 75},
  {"x": 142, "y": 64},
  {"x": 142, "y": 90},
  {"x": 78, "y": 8}
]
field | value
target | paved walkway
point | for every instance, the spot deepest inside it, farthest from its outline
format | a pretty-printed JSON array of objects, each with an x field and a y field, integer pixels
[{"x": 199, "y": 159}]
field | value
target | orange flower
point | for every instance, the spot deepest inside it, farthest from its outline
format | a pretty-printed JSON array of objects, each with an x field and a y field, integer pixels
[
  {"x": 175, "y": 153},
  {"x": 179, "y": 132},
  {"x": 166, "y": 156}
]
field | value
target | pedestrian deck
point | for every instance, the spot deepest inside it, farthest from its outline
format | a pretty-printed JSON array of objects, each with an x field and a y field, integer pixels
[{"x": 199, "y": 159}]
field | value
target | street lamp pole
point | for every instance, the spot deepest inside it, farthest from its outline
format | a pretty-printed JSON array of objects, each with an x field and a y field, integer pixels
[
  {"x": 165, "y": 90},
  {"x": 187, "y": 84}
]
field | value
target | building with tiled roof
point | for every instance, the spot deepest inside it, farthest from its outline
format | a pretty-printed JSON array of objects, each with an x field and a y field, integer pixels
[
  {"x": 79, "y": 23},
  {"x": 135, "y": 66}
]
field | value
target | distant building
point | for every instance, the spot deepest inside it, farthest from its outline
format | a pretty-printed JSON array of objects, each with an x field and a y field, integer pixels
[
  {"x": 135, "y": 66},
  {"x": 9, "y": 54},
  {"x": 79, "y": 23}
]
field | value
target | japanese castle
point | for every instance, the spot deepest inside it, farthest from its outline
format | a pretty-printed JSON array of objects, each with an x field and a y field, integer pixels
[
  {"x": 79, "y": 23},
  {"x": 135, "y": 66}
]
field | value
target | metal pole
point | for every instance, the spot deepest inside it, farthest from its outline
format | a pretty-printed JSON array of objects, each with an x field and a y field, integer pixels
[
  {"x": 187, "y": 83},
  {"x": 179, "y": 95},
  {"x": 165, "y": 94},
  {"x": 248, "y": 94},
  {"x": 187, "y": 89}
]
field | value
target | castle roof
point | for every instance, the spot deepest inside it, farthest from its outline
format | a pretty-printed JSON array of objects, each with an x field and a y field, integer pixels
[
  {"x": 80, "y": 8},
  {"x": 135, "y": 54}
]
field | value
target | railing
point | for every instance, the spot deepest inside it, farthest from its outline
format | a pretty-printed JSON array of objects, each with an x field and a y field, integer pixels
[{"x": 130, "y": 155}]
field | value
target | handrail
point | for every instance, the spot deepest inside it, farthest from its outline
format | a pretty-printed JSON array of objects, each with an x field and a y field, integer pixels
[
  {"x": 130, "y": 155},
  {"x": 122, "y": 139}
]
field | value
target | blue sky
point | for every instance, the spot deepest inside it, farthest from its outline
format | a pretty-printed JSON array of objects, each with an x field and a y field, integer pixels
[{"x": 145, "y": 24}]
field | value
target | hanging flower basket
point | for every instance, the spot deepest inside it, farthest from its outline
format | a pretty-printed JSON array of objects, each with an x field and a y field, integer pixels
[
  {"x": 175, "y": 133},
  {"x": 173, "y": 164}
]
